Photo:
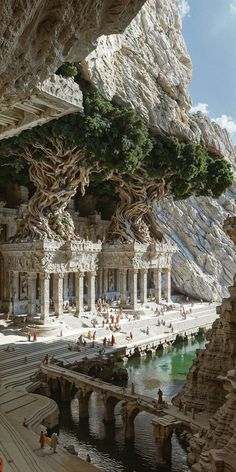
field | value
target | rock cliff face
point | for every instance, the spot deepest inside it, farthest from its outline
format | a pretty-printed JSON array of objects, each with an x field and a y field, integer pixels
[
  {"x": 37, "y": 36},
  {"x": 148, "y": 67},
  {"x": 214, "y": 447}
]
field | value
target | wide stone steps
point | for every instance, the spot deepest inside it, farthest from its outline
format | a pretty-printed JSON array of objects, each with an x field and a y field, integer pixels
[{"x": 24, "y": 459}]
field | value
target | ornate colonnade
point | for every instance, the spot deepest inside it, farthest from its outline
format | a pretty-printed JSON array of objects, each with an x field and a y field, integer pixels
[
  {"x": 42, "y": 276},
  {"x": 41, "y": 272},
  {"x": 136, "y": 262}
]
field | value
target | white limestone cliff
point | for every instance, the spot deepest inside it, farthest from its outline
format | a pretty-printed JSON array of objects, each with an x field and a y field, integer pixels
[
  {"x": 148, "y": 67},
  {"x": 38, "y": 36}
]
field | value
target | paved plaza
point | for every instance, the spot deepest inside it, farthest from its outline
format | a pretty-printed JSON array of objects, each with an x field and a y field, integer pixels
[{"x": 18, "y": 367}]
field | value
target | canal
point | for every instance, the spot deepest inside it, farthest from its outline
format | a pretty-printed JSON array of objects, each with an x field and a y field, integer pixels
[{"x": 105, "y": 444}]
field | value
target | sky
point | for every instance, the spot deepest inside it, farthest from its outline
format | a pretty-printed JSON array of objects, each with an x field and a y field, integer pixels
[{"x": 209, "y": 30}]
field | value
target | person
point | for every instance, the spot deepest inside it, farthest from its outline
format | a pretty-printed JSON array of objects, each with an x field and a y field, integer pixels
[
  {"x": 34, "y": 337},
  {"x": 88, "y": 458},
  {"x": 29, "y": 337},
  {"x": 131, "y": 335},
  {"x": 132, "y": 389},
  {"x": 180, "y": 405},
  {"x": 160, "y": 395},
  {"x": 54, "y": 441},
  {"x": 25, "y": 423},
  {"x": 113, "y": 340},
  {"x": 45, "y": 360},
  {"x": 42, "y": 440},
  {"x": 25, "y": 360},
  {"x": 147, "y": 330}
]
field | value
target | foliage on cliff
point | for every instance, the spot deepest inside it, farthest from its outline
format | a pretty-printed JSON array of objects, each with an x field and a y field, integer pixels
[{"x": 119, "y": 141}]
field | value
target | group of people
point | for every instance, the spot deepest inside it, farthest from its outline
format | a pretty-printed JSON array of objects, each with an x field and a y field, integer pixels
[
  {"x": 53, "y": 442},
  {"x": 34, "y": 338},
  {"x": 109, "y": 342}
]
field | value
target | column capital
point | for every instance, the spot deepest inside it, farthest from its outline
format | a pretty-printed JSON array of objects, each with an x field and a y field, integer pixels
[
  {"x": 44, "y": 275},
  {"x": 79, "y": 274},
  {"x": 59, "y": 275},
  {"x": 144, "y": 270},
  {"x": 32, "y": 275}
]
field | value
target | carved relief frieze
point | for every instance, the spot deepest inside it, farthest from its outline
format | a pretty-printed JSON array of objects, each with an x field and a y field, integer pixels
[{"x": 52, "y": 259}]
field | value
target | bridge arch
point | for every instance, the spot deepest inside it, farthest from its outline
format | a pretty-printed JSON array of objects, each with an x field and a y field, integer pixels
[{"x": 110, "y": 402}]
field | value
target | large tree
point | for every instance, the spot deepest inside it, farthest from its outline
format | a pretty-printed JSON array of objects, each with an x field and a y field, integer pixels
[
  {"x": 172, "y": 168},
  {"x": 63, "y": 153},
  {"x": 115, "y": 142}
]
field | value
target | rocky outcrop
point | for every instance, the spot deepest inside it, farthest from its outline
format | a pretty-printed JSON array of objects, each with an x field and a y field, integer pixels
[
  {"x": 148, "y": 67},
  {"x": 211, "y": 387},
  {"x": 203, "y": 391},
  {"x": 38, "y": 36},
  {"x": 205, "y": 263},
  {"x": 213, "y": 448}
]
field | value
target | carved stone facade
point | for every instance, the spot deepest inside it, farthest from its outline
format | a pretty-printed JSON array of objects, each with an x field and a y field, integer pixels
[
  {"x": 35, "y": 272},
  {"x": 136, "y": 262},
  {"x": 41, "y": 277}
]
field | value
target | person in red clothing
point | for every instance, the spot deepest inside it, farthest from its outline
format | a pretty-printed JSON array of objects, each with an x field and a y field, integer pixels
[
  {"x": 113, "y": 340},
  {"x": 42, "y": 440}
]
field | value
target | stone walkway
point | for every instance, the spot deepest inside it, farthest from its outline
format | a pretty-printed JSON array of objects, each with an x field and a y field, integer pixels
[{"x": 17, "y": 374}]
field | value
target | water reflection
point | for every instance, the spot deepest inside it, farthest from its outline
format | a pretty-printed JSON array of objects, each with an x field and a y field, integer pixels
[{"x": 104, "y": 443}]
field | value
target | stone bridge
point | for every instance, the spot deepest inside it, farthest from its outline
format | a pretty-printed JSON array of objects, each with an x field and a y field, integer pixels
[{"x": 70, "y": 384}]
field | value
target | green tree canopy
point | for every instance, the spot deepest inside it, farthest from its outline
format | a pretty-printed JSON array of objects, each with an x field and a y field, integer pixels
[
  {"x": 187, "y": 168},
  {"x": 118, "y": 139}
]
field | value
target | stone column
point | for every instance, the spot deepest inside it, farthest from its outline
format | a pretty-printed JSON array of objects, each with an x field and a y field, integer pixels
[
  {"x": 58, "y": 294},
  {"x": 66, "y": 287},
  {"x": 14, "y": 291},
  {"x": 128, "y": 425},
  {"x": 79, "y": 292},
  {"x": 32, "y": 277},
  {"x": 163, "y": 433},
  {"x": 105, "y": 280},
  {"x": 143, "y": 285},
  {"x": 109, "y": 409},
  {"x": 123, "y": 286},
  {"x": 167, "y": 286},
  {"x": 133, "y": 289},
  {"x": 44, "y": 280},
  {"x": 117, "y": 280},
  {"x": 84, "y": 404},
  {"x": 91, "y": 291},
  {"x": 157, "y": 284}
]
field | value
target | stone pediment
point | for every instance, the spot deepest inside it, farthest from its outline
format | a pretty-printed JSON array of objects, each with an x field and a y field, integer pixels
[
  {"x": 137, "y": 256},
  {"x": 50, "y": 99},
  {"x": 51, "y": 256}
]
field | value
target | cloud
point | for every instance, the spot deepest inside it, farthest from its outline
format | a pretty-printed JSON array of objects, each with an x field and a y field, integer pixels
[
  {"x": 232, "y": 8},
  {"x": 184, "y": 8},
  {"x": 203, "y": 107},
  {"x": 226, "y": 122}
]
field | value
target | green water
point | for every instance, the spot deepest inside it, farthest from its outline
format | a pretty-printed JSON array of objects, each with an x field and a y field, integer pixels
[{"x": 106, "y": 445}]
